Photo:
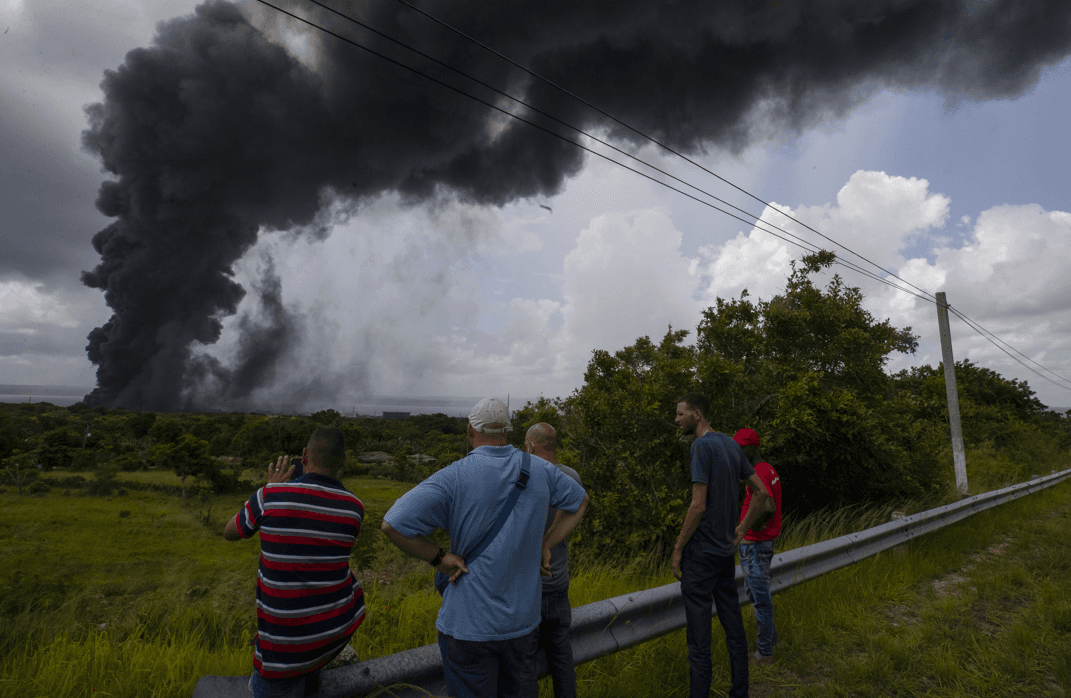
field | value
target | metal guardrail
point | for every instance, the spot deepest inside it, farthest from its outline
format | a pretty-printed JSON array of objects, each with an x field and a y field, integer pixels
[{"x": 604, "y": 627}]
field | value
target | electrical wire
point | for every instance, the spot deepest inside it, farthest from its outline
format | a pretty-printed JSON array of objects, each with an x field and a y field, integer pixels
[
  {"x": 648, "y": 138},
  {"x": 925, "y": 294},
  {"x": 758, "y": 223},
  {"x": 997, "y": 341}
]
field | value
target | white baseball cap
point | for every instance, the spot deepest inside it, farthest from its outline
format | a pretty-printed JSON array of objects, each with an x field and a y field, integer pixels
[{"x": 490, "y": 416}]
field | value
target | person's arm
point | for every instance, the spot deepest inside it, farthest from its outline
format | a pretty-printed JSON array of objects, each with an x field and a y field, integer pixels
[
  {"x": 277, "y": 472},
  {"x": 423, "y": 548},
  {"x": 762, "y": 507},
  {"x": 764, "y": 517},
  {"x": 230, "y": 531},
  {"x": 691, "y": 522},
  {"x": 564, "y": 523}
]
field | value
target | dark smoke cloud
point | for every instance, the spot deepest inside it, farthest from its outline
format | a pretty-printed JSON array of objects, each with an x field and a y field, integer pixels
[
  {"x": 263, "y": 342},
  {"x": 215, "y": 132}
]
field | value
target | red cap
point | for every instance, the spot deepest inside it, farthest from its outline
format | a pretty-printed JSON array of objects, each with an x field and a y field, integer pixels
[{"x": 747, "y": 437}]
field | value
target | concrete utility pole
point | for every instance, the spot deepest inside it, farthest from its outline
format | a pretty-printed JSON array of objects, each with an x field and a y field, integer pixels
[{"x": 958, "y": 458}]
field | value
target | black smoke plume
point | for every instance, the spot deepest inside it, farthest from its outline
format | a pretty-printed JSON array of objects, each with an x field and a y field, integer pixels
[{"x": 216, "y": 133}]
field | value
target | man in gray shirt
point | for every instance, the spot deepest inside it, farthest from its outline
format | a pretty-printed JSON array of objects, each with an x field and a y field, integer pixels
[{"x": 556, "y": 613}]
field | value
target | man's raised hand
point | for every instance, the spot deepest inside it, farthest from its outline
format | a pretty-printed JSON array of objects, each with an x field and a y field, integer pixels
[{"x": 279, "y": 472}]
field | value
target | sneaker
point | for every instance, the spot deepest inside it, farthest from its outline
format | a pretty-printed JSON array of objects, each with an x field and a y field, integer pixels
[{"x": 761, "y": 660}]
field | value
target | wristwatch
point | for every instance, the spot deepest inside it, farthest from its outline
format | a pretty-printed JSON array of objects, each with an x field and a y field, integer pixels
[{"x": 437, "y": 560}]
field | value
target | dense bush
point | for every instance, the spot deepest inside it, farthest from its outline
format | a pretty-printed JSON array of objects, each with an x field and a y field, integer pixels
[
  {"x": 39, "y": 487},
  {"x": 806, "y": 370}
]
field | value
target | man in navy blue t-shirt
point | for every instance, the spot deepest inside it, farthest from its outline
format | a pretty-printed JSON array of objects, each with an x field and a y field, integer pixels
[{"x": 703, "y": 556}]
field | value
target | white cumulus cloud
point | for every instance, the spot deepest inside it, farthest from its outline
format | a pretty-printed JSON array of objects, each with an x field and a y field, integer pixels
[
  {"x": 627, "y": 278},
  {"x": 24, "y": 307},
  {"x": 876, "y": 215}
]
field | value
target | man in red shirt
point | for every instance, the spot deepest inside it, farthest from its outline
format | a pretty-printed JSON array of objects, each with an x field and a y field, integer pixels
[{"x": 756, "y": 550}]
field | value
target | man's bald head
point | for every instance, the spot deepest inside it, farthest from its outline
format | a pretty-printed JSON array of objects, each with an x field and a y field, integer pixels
[{"x": 541, "y": 440}]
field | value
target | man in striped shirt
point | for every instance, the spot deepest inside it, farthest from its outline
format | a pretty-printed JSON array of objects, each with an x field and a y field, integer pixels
[{"x": 308, "y": 601}]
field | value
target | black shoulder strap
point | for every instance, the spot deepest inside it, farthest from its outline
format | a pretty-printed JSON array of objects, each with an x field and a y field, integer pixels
[{"x": 507, "y": 508}]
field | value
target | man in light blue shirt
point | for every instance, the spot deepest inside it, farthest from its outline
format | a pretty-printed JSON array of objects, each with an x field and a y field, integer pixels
[{"x": 491, "y": 609}]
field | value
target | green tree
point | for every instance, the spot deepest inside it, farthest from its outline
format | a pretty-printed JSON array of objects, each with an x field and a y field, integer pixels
[
  {"x": 20, "y": 469},
  {"x": 58, "y": 447},
  {"x": 84, "y": 460},
  {"x": 351, "y": 433},
  {"x": 202, "y": 426},
  {"x": 402, "y": 469},
  {"x": 542, "y": 410},
  {"x": 253, "y": 439},
  {"x": 220, "y": 445},
  {"x": 805, "y": 369},
  {"x": 260, "y": 438},
  {"x": 187, "y": 456},
  {"x": 138, "y": 424},
  {"x": 620, "y": 427},
  {"x": 104, "y": 481},
  {"x": 9, "y": 435},
  {"x": 998, "y": 414},
  {"x": 52, "y": 456},
  {"x": 166, "y": 430},
  {"x": 327, "y": 418}
]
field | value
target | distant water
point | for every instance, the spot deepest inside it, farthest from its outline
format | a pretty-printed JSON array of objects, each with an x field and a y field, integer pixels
[
  {"x": 59, "y": 395},
  {"x": 367, "y": 406},
  {"x": 377, "y": 406}
]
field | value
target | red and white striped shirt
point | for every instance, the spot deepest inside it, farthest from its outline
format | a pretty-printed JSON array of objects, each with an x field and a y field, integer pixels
[{"x": 308, "y": 601}]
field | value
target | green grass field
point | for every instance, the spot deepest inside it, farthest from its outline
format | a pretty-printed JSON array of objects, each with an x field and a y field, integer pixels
[{"x": 135, "y": 596}]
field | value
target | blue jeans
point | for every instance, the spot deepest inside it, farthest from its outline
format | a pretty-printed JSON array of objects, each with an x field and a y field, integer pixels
[
  {"x": 504, "y": 668},
  {"x": 706, "y": 578},
  {"x": 285, "y": 688},
  {"x": 755, "y": 561},
  {"x": 556, "y": 615}
]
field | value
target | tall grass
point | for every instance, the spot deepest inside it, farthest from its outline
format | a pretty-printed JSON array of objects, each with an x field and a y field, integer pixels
[
  {"x": 978, "y": 609},
  {"x": 143, "y": 605},
  {"x": 162, "y": 659}
]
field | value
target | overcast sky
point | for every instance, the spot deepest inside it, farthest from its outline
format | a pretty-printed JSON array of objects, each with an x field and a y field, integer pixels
[{"x": 956, "y": 190}]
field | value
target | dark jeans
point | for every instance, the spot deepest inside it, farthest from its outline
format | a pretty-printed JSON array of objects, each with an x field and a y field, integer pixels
[
  {"x": 706, "y": 578},
  {"x": 304, "y": 686},
  {"x": 755, "y": 560},
  {"x": 554, "y": 639},
  {"x": 504, "y": 668}
]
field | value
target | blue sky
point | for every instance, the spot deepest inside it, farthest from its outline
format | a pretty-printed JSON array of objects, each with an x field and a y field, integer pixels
[{"x": 969, "y": 197}]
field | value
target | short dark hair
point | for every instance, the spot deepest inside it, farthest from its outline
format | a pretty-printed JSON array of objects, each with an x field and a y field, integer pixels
[
  {"x": 696, "y": 402},
  {"x": 753, "y": 454},
  {"x": 327, "y": 448}
]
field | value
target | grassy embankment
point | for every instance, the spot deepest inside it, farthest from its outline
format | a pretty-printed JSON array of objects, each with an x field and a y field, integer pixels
[{"x": 96, "y": 602}]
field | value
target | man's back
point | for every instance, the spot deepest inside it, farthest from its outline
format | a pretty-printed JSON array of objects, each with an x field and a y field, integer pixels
[
  {"x": 308, "y": 602},
  {"x": 498, "y": 598},
  {"x": 559, "y": 554},
  {"x": 772, "y": 528},
  {"x": 719, "y": 462}
]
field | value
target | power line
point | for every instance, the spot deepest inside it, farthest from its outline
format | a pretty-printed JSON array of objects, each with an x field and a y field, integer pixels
[
  {"x": 649, "y": 138},
  {"x": 758, "y": 222},
  {"x": 994, "y": 339},
  {"x": 926, "y": 295}
]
